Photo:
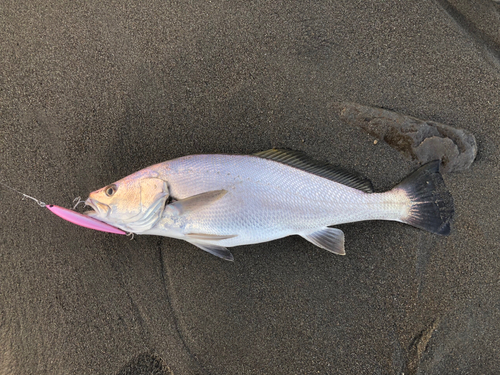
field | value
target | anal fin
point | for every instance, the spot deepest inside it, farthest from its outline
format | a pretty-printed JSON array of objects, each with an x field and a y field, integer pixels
[
  {"x": 218, "y": 251},
  {"x": 331, "y": 239}
]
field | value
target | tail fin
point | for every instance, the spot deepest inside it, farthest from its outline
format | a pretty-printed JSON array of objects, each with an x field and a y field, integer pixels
[{"x": 432, "y": 205}]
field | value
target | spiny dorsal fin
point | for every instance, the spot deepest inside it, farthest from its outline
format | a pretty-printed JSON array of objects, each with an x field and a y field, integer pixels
[{"x": 301, "y": 161}]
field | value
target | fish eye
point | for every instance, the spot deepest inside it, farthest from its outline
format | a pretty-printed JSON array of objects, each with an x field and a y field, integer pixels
[{"x": 110, "y": 190}]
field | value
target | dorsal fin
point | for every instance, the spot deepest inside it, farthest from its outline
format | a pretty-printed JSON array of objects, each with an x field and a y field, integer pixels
[{"x": 301, "y": 161}]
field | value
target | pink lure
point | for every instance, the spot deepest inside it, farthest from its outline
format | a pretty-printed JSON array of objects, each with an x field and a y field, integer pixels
[{"x": 83, "y": 220}]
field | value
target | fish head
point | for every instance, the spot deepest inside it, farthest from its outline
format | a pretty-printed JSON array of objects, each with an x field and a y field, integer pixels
[{"x": 134, "y": 203}]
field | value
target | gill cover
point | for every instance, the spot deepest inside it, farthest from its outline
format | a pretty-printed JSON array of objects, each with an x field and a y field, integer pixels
[{"x": 153, "y": 194}]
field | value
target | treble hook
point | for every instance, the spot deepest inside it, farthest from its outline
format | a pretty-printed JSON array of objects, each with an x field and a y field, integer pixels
[{"x": 79, "y": 199}]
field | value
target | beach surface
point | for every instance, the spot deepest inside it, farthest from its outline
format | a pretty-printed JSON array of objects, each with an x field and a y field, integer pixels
[{"x": 93, "y": 91}]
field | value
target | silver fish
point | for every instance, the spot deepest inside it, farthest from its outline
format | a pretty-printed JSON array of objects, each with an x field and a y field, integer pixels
[{"x": 221, "y": 201}]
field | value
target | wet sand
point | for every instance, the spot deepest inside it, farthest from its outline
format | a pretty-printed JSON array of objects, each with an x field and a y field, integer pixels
[{"x": 92, "y": 92}]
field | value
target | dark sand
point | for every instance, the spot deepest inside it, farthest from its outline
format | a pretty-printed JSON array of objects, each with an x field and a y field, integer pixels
[{"x": 93, "y": 91}]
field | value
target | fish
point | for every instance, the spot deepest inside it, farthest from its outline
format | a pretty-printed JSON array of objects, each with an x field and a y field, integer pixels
[{"x": 218, "y": 201}]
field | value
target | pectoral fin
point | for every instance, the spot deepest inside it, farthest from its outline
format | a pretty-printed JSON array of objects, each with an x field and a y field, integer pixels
[
  {"x": 218, "y": 251},
  {"x": 198, "y": 201},
  {"x": 331, "y": 239}
]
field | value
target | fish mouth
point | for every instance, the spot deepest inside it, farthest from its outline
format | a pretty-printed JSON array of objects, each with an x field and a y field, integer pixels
[{"x": 97, "y": 208}]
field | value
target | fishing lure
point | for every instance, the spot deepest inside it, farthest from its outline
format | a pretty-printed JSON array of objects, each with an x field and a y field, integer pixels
[
  {"x": 73, "y": 216},
  {"x": 82, "y": 220}
]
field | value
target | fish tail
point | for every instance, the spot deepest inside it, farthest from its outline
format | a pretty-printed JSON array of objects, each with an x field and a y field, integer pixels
[{"x": 431, "y": 203}]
